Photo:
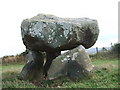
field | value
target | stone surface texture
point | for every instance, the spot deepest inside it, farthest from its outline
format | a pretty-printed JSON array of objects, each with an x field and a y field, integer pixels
[
  {"x": 51, "y": 33},
  {"x": 75, "y": 64},
  {"x": 33, "y": 70}
]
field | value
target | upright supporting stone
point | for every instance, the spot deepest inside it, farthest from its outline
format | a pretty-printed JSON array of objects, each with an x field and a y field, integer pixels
[
  {"x": 33, "y": 70},
  {"x": 75, "y": 64},
  {"x": 49, "y": 57}
]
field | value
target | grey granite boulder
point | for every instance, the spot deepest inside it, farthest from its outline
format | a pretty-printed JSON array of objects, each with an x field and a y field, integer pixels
[
  {"x": 75, "y": 64},
  {"x": 50, "y": 33}
]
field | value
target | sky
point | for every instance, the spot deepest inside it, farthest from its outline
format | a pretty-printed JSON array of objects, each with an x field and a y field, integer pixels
[{"x": 12, "y": 13}]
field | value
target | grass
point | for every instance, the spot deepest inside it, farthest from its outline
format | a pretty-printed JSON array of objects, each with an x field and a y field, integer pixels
[
  {"x": 11, "y": 67},
  {"x": 104, "y": 77},
  {"x": 108, "y": 61},
  {"x": 101, "y": 79}
]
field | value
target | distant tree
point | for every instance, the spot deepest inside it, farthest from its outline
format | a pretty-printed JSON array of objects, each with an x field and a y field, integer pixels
[
  {"x": 116, "y": 48},
  {"x": 104, "y": 49}
]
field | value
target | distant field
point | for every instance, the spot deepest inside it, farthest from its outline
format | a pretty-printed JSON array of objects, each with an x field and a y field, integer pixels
[
  {"x": 12, "y": 67},
  {"x": 106, "y": 76}
]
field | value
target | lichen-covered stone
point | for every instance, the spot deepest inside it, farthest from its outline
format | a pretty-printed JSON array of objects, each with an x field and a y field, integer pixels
[
  {"x": 33, "y": 70},
  {"x": 51, "y": 33},
  {"x": 75, "y": 64}
]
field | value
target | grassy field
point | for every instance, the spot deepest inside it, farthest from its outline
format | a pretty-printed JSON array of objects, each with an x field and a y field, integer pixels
[{"x": 105, "y": 76}]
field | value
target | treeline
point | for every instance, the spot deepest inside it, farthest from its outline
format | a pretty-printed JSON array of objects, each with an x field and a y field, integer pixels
[
  {"x": 113, "y": 53},
  {"x": 21, "y": 59}
]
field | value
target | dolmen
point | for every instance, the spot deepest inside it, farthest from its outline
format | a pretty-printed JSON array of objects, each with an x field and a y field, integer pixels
[{"x": 50, "y": 35}]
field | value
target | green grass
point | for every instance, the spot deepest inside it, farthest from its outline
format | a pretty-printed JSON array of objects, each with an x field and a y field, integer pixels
[
  {"x": 104, "y": 77},
  {"x": 98, "y": 62},
  {"x": 101, "y": 79},
  {"x": 11, "y": 67}
]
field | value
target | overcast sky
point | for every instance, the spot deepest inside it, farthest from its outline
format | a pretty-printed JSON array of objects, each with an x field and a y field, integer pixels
[{"x": 12, "y": 12}]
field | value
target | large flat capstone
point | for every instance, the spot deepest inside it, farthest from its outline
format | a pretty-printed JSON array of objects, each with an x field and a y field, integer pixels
[{"x": 51, "y": 33}]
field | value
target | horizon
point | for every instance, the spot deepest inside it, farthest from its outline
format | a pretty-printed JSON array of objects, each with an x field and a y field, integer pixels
[{"x": 13, "y": 13}]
